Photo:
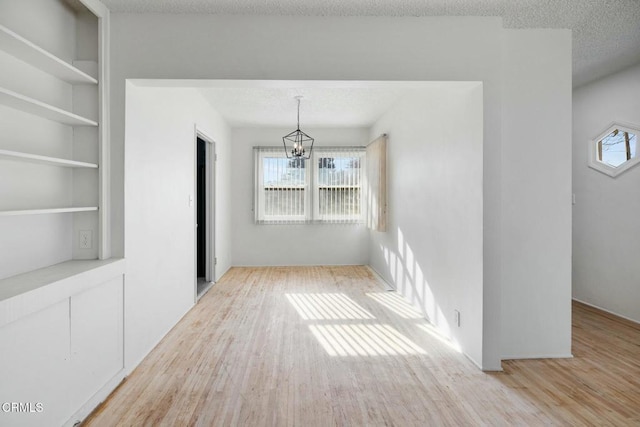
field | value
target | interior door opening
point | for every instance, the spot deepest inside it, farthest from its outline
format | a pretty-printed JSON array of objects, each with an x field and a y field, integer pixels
[{"x": 205, "y": 258}]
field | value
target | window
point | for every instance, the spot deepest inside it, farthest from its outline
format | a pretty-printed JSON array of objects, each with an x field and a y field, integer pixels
[
  {"x": 617, "y": 147},
  {"x": 281, "y": 190},
  {"x": 615, "y": 150},
  {"x": 325, "y": 188},
  {"x": 337, "y": 193}
]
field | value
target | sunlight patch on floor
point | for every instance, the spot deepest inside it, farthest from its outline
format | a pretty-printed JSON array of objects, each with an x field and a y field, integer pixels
[
  {"x": 327, "y": 306},
  {"x": 437, "y": 335},
  {"x": 397, "y": 304},
  {"x": 363, "y": 340}
]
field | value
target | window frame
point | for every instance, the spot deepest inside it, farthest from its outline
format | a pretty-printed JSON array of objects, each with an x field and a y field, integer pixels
[
  {"x": 335, "y": 153},
  {"x": 594, "y": 161},
  {"x": 262, "y": 217},
  {"x": 311, "y": 187}
]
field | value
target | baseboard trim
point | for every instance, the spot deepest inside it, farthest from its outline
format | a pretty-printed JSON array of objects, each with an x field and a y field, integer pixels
[
  {"x": 385, "y": 282},
  {"x": 607, "y": 311},
  {"x": 540, "y": 356},
  {"x": 483, "y": 368},
  {"x": 95, "y": 400}
]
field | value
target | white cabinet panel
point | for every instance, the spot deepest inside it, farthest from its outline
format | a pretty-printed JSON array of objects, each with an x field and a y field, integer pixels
[
  {"x": 35, "y": 367},
  {"x": 96, "y": 338}
]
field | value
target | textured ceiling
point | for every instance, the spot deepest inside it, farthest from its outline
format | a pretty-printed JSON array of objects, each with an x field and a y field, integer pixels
[{"x": 606, "y": 33}]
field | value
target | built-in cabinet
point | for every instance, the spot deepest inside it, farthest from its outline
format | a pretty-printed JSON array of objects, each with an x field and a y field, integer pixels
[
  {"x": 61, "y": 294},
  {"x": 53, "y": 133}
]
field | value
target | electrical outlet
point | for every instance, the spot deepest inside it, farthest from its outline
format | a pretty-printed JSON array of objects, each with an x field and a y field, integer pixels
[
  {"x": 85, "y": 239},
  {"x": 456, "y": 318}
]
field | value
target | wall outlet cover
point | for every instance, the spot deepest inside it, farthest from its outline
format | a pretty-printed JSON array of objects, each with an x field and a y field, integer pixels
[{"x": 85, "y": 239}]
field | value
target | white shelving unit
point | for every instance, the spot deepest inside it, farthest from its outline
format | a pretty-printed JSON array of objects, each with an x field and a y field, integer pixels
[
  {"x": 45, "y": 160},
  {"x": 33, "y": 106},
  {"x": 67, "y": 101},
  {"x": 60, "y": 288},
  {"x": 16, "y": 45},
  {"x": 48, "y": 211}
]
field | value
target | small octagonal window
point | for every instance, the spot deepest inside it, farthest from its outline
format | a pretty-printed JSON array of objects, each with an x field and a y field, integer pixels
[{"x": 615, "y": 150}]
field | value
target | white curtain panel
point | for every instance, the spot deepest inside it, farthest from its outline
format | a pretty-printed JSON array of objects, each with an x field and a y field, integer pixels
[{"x": 377, "y": 184}]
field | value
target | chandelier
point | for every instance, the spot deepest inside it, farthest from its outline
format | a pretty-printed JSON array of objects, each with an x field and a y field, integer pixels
[{"x": 296, "y": 142}]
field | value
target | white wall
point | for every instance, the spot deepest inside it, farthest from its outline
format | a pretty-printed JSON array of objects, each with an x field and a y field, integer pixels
[
  {"x": 350, "y": 48},
  {"x": 606, "y": 229},
  {"x": 160, "y": 238},
  {"x": 245, "y": 47},
  {"x": 311, "y": 244},
  {"x": 49, "y": 24},
  {"x": 34, "y": 241},
  {"x": 536, "y": 194},
  {"x": 432, "y": 250}
]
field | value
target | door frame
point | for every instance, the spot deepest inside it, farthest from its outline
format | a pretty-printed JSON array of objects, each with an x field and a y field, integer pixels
[{"x": 210, "y": 211}]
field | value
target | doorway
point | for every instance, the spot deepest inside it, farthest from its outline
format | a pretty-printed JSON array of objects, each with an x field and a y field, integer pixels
[{"x": 204, "y": 214}]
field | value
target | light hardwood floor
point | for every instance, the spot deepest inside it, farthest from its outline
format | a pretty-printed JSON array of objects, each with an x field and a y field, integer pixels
[{"x": 327, "y": 346}]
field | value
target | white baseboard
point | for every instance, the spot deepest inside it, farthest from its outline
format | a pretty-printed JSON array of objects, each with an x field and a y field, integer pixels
[
  {"x": 387, "y": 285},
  {"x": 539, "y": 356},
  {"x": 607, "y": 311},
  {"x": 96, "y": 399},
  {"x": 484, "y": 368}
]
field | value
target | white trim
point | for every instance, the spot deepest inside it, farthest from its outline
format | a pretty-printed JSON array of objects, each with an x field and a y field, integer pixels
[
  {"x": 606, "y": 169},
  {"x": 96, "y": 7},
  {"x": 607, "y": 311},
  {"x": 210, "y": 168},
  {"x": 95, "y": 400},
  {"x": 259, "y": 188},
  {"x": 104, "y": 137},
  {"x": 539, "y": 356},
  {"x": 387, "y": 286},
  {"x": 335, "y": 153}
]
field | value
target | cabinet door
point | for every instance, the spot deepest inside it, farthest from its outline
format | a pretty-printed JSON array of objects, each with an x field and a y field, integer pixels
[
  {"x": 96, "y": 338},
  {"x": 34, "y": 368}
]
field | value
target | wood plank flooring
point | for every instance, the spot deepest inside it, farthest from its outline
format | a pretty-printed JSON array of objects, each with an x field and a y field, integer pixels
[{"x": 326, "y": 346}]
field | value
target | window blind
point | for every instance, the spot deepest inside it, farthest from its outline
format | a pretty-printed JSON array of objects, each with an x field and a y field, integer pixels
[
  {"x": 327, "y": 188},
  {"x": 338, "y": 184},
  {"x": 281, "y": 187}
]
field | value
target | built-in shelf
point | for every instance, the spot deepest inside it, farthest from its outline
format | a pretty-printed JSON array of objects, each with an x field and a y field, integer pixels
[
  {"x": 33, "y": 158},
  {"x": 47, "y": 211},
  {"x": 23, "y": 49},
  {"x": 33, "y": 106}
]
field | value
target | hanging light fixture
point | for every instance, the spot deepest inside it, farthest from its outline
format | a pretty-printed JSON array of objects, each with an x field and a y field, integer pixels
[{"x": 296, "y": 142}]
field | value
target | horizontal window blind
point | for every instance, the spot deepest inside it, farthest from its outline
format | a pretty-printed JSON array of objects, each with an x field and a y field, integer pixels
[{"x": 326, "y": 188}]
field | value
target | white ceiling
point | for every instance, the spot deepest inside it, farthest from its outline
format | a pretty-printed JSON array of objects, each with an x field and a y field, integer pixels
[
  {"x": 272, "y": 103},
  {"x": 606, "y": 33},
  {"x": 319, "y": 107}
]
